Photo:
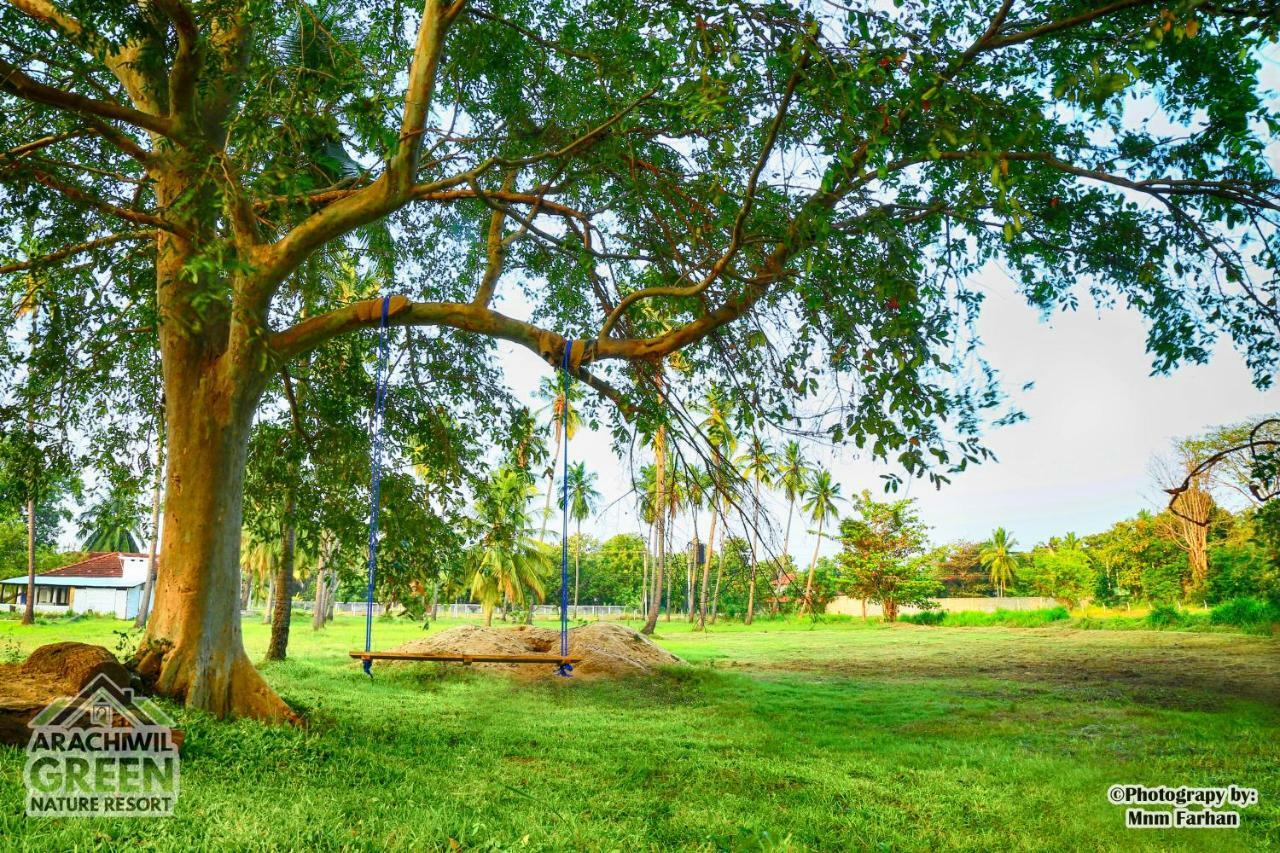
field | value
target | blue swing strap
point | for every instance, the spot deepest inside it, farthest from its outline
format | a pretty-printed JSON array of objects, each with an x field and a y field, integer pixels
[
  {"x": 375, "y": 481},
  {"x": 565, "y": 669}
]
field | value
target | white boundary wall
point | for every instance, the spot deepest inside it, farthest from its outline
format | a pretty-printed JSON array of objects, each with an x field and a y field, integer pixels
[{"x": 845, "y": 606}]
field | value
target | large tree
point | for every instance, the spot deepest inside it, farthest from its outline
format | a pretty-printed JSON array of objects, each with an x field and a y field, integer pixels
[{"x": 787, "y": 190}]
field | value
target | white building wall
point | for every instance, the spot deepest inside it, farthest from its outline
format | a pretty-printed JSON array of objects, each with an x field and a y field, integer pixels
[{"x": 97, "y": 599}]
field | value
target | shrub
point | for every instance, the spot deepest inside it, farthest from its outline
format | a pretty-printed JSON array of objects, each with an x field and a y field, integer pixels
[
  {"x": 1245, "y": 613},
  {"x": 1165, "y": 616},
  {"x": 978, "y": 619}
]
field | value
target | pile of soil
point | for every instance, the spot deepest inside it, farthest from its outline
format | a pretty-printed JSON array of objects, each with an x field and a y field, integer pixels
[
  {"x": 607, "y": 650},
  {"x": 52, "y": 672}
]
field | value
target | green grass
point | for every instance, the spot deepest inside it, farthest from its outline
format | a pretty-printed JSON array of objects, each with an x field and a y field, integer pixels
[{"x": 785, "y": 735}]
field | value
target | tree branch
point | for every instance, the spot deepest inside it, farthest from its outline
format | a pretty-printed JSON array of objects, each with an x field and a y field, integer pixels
[
  {"x": 17, "y": 83},
  {"x": 79, "y": 248}
]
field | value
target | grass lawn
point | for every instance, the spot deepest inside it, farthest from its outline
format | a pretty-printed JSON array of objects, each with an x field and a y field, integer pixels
[{"x": 782, "y": 736}]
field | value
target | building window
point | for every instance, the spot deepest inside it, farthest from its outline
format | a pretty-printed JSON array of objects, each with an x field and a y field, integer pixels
[
  {"x": 52, "y": 595},
  {"x": 9, "y": 594}
]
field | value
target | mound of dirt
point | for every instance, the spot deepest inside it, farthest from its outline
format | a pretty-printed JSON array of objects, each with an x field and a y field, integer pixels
[
  {"x": 607, "y": 650},
  {"x": 52, "y": 671}
]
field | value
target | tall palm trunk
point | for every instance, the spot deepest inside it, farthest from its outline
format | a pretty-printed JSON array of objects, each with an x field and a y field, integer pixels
[
  {"x": 551, "y": 484},
  {"x": 755, "y": 539},
  {"x": 706, "y": 573},
  {"x": 577, "y": 568},
  {"x": 144, "y": 609},
  {"x": 669, "y": 549},
  {"x": 29, "y": 612},
  {"x": 659, "y": 521},
  {"x": 786, "y": 539},
  {"x": 813, "y": 565},
  {"x": 644, "y": 575},
  {"x": 318, "y": 613},
  {"x": 691, "y": 572},
  {"x": 715, "y": 598}
]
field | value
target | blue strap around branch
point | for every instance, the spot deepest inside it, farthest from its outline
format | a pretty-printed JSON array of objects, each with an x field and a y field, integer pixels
[
  {"x": 566, "y": 669},
  {"x": 375, "y": 482}
]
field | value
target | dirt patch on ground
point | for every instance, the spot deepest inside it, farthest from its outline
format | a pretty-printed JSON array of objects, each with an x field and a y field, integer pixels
[
  {"x": 607, "y": 650},
  {"x": 1210, "y": 665}
]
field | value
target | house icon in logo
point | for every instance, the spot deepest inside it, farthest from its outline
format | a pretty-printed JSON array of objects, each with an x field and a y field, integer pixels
[{"x": 102, "y": 704}]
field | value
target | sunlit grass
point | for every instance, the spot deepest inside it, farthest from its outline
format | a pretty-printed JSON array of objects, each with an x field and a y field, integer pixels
[{"x": 789, "y": 734}]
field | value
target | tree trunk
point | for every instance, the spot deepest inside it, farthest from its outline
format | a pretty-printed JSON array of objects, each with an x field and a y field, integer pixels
[
  {"x": 715, "y": 598},
  {"x": 659, "y": 525},
  {"x": 144, "y": 608},
  {"x": 268, "y": 606},
  {"x": 786, "y": 537},
  {"x": 322, "y": 586},
  {"x": 29, "y": 611},
  {"x": 667, "y": 549},
  {"x": 755, "y": 539},
  {"x": 890, "y": 609},
  {"x": 691, "y": 573},
  {"x": 193, "y": 649},
  {"x": 551, "y": 487},
  {"x": 435, "y": 600},
  {"x": 644, "y": 576},
  {"x": 813, "y": 565},
  {"x": 577, "y": 567},
  {"x": 706, "y": 574},
  {"x": 282, "y": 612}
]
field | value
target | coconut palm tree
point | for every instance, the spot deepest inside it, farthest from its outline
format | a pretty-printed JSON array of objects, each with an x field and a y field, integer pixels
[
  {"x": 791, "y": 476},
  {"x": 563, "y": 410},
  {"x": 758, "y": 464},
  {"x": 111, "y": 536},
  {"x": 999, "y": 559},
  {"x": 583, "y": 500},
  {"x": 723, "y": 442},
  {"x": 508, "y": 564},
  {"x": 821, "y": 494}
]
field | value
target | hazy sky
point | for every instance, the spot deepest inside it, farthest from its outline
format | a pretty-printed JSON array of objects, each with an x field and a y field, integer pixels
[{"x": 1096, "y": 417}]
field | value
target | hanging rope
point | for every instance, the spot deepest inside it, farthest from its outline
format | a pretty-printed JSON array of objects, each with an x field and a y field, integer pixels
[
  {"x": 375, "y": 481},
  {"x": 566, "y": 669}
]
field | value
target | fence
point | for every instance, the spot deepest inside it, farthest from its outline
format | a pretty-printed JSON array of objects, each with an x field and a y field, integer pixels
[
  {"x": 845, "y": 606},
  {"x": 474, "y": 611}
]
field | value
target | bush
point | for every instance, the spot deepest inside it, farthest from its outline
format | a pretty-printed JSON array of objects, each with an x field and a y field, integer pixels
[
  {"x": 1165, "y": 616},
  {"x": 979, "y": 619},
  {"x": 926, "y": 617},
  {"x": 1245, "y": 613}
]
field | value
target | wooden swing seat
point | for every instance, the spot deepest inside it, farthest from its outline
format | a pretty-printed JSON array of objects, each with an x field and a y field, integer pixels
[{"x": 464, "y": 659}]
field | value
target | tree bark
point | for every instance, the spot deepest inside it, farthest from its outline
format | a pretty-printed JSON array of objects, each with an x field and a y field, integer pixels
[
  {"x": 193, "y": 650},
  {"x": 29, "y": 611},
  {"x": 282, "y": 610}
]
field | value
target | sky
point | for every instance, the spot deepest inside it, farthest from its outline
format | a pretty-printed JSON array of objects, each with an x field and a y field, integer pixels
[{"x": 1096, "y": 418}]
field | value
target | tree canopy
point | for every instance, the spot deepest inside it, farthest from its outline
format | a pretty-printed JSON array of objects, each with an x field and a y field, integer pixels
[{"x": 795, "y": 196}]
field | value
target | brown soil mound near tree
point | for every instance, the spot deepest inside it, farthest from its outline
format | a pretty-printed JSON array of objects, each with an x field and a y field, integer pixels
[
  {"x": 52, "y": 672},
  {"x": 607, "y": 650}
]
